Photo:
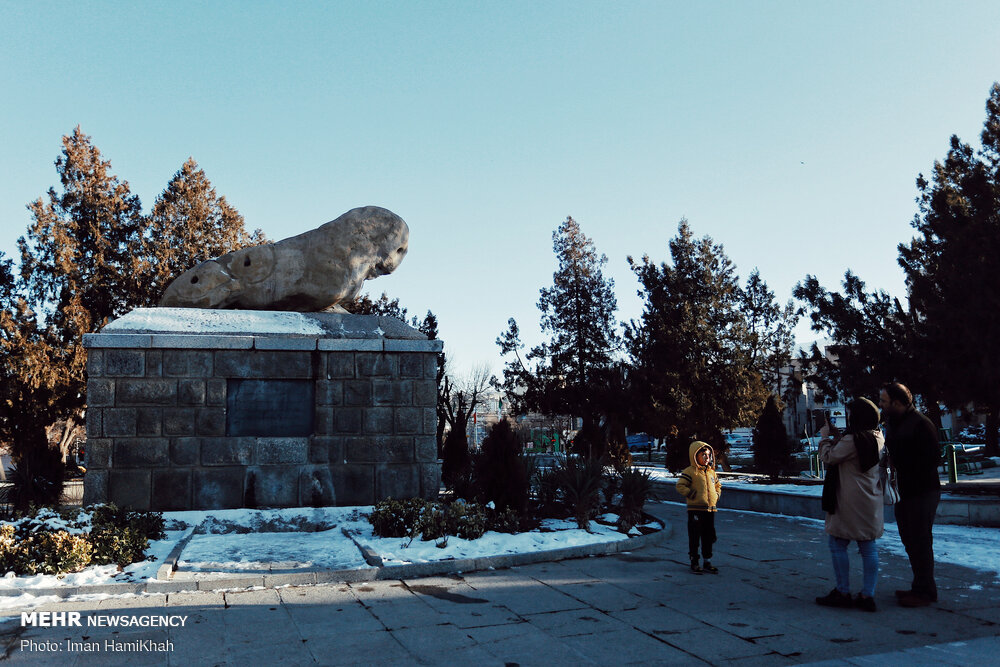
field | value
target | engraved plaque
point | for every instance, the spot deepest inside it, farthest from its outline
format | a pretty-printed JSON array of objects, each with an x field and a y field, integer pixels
[{"x": 273, "y": 408}]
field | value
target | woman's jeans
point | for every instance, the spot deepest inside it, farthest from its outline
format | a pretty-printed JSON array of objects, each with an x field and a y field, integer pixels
[{"x": 842, "y": 565}]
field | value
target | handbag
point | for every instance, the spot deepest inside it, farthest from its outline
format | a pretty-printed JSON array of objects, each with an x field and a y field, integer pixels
[{"x": 887, "y": 479}]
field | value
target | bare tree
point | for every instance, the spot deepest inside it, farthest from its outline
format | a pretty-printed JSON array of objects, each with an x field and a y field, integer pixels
[{"x": 460, "y": 398}]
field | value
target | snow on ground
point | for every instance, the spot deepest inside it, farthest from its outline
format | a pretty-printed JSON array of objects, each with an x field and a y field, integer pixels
[
  {"x": 236, "y": 542},
  {"x": 227, "y": 543}
]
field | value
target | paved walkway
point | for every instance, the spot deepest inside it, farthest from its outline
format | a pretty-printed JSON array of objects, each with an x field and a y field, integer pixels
[{"x": 641, "y": 607}]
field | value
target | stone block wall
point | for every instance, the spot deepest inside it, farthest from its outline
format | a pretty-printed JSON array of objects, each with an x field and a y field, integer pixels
[{"x": 157, "y": 436}]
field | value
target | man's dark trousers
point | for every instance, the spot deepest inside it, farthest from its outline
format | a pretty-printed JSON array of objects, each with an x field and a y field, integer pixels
[{"x": 915, "y": 520}]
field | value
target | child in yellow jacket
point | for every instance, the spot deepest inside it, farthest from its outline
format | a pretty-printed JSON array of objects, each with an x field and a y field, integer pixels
[{"x": 701, "y": 487}]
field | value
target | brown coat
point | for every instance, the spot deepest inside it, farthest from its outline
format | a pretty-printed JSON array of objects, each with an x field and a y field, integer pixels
[{"x": 859, "y": 514}]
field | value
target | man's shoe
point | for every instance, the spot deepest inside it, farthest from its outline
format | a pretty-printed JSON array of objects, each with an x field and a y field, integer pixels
[
  {"x": 865, "y": 604},
  {"x": 914, "y": 600},
  {"x": 708, "y": 567},
  {"x": 836, "y": 599},
  {"x": 695, "y": 567},
  {"x": 902, "y": 592}
]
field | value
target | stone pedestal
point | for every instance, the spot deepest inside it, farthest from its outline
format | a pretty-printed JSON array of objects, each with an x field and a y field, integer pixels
[{"x": 210, "y": 409}]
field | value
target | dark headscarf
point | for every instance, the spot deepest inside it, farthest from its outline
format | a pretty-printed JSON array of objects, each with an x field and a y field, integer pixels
[{"x": 862, "y": 424}]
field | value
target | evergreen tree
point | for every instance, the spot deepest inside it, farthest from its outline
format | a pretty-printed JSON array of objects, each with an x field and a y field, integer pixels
[
  {"x": 33, "y": 394},
  {"x": 500, "y": 473},
  {"x": 88, "y": 256},
  {"x": 770, "y": 330},
  {"x": 871, "y": 340},
  {"x": 383, "y": 306},
  {"x": 189, "y": 224},
  {"x": 772, "y": 451},
  {"x": 76, "y": 273},
  {"x": 77, "y": 256},
  {"x": 951, "y": 272},
  {"x": 566, "y": 374},
  {"x": 429, "y": 327},
  {"x": 691, "y": 348}
]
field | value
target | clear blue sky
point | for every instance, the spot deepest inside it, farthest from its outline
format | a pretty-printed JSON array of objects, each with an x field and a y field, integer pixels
[{"x": 791, "y": 132}]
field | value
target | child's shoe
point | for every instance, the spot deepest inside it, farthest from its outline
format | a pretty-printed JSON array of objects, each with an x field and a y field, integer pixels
[
  {"x": 695, "y": 567},
  {"x": 708, "y": 567}
]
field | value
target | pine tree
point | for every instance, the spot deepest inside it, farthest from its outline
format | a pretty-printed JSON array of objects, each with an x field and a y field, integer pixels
[
  {"x": 871, "y": 340},
  {"x": 690, "y": 349},
  {"x": 500, "y": 475},
  {"x": 951, "y": 272},
  {"x": 77, "y": 253},
  {"x": 383, "y": 306},
  {"x": 89, "y": 256},
  {"x": 772, "y": 451},
  {"x": 76, "y": 273},
  {"x": 566, "y": 374},
  {"x": 189, "y": 224},
  {"x": 769, "y": 328}
]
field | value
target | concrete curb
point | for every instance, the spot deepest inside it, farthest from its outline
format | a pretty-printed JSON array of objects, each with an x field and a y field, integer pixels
[
  {"x": 951, "y": 510},
  {"x": 408, "y": 571}
]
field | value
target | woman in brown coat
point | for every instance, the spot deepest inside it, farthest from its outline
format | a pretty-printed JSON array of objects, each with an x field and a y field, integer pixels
[{"x": 852, "y": 500}]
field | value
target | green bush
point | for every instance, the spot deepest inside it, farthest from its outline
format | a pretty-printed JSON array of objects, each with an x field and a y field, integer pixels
[
  {"x": 13, "y": 554},
  {"x": 435, "y": 520},
  {"x": 395, "y": 518},
  {"x": 36, "y": 479},
  {"x": 46, "y": 542},
  {"x": 635, "y": 487},
  {"x": 505, "y": 521},
  {"x": 110, "y": 516},
  {"x": 581, "y": 481},
  {"x": 432, "y": 524},
  {"x": 470, "y": 521},
  {"x": 500, "y": 474},
  {"x": 57, "y": 553},
  {"x": 548, "y": 494}
]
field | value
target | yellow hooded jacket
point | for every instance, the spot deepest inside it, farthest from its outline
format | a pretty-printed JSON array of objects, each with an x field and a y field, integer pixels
[{"x": 699, "y": 484}]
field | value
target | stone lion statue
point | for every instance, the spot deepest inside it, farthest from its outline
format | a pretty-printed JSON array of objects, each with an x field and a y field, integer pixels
[{"x": 314, "y": 271}]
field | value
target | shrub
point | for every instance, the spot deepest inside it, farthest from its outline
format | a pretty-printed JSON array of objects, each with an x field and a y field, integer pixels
[
  {"x": 121, "y": 546},
  {"x": 772, "y": 452},
  {"x": 470, "y": 521},
  {"x": 47, "y": 542},
  {"x": 500, "y": 475},
  {"x": 435, "y": 520},
  {"x": 548, "y": 494},
  {"x": 505, "y": 521},
  {"x": 395, "y": 518},
  {"x": 619, "y": 457},
  {"x": 147, "y": 524},
  {"x": 580, "y": 483},
  {"x": 57, "y": 553},
  {"x": 636, "y": 486},
  {"x": 612, "y": 485},
  {"x": 36, "y": 479},
  {"x": 13, "y": 554},
  {"x": 432, "y": 524},
  {"x": 122, "y": 536},
  {"x": 456, "y": 464}
]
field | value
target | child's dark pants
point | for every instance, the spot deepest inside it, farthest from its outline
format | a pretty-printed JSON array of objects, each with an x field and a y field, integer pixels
[{"x": 701, "y": 528}]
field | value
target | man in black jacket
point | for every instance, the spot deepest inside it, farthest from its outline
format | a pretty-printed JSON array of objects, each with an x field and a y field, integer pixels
[{"x": 913, "y": 445}]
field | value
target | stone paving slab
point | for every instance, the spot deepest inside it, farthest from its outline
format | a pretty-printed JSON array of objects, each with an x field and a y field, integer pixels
[{"x": 755, "y": 613}]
